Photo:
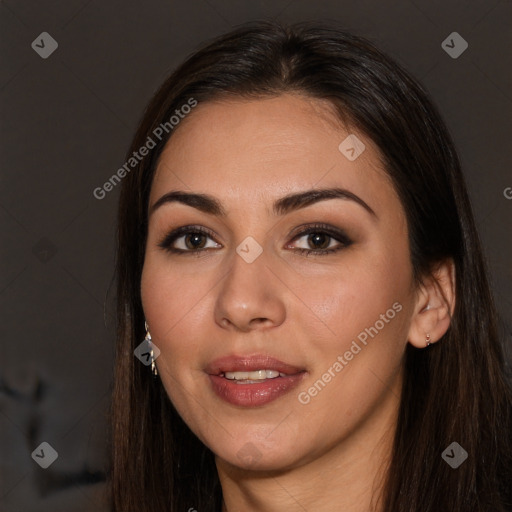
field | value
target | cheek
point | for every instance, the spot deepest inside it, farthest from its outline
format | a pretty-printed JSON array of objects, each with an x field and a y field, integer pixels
[
  {"x": 168, "y": 292},
  {"x": 364, "y": 313},
  {"x": 345, "y": 302},
  {"x": 172, "y": 305},
  {"x": 382, "y": 277},
  {"x": 173, "y": 309}
]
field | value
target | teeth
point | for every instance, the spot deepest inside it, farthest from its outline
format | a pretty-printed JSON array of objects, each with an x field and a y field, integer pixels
[{"x": 253, "y": 376}]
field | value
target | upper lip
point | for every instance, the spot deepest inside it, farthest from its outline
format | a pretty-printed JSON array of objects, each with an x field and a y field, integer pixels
[{"x": 250, "y": 363}]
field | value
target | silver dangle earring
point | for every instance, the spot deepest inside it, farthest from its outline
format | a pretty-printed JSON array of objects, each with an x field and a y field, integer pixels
[
  {"x": 427, "y": 341},
  {"x": 150, "y": 345}
]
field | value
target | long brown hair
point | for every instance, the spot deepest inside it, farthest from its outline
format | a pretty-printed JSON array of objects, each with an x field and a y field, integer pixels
[{"x": 454, "y": 391}]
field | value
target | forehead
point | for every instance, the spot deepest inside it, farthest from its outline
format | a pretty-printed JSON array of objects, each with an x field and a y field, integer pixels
[{"x": 260, "y": 149}]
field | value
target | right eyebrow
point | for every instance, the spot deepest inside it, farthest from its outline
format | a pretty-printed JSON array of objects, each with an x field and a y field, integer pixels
[{"x": 203, "y": 202}]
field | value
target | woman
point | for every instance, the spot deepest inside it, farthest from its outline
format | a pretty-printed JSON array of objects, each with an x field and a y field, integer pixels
[{"x": 298, "y": 252}]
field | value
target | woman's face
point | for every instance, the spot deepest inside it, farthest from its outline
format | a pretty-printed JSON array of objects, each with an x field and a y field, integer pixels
[{"x": 241, "y": 294}]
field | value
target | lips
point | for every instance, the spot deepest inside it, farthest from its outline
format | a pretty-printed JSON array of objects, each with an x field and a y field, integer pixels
[
  {"x": 249, "y": 393},
  {"x": 250, "y": 364}
]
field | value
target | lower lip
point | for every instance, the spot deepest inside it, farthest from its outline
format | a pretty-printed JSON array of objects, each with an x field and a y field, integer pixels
[{"x": 253, "y": 395}]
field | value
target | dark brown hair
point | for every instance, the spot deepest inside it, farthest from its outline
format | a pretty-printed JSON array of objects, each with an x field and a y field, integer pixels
[{"x": 454, "y": 391}]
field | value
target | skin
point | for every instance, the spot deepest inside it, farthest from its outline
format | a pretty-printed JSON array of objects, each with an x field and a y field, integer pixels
[{"x": 331, "y": 453}]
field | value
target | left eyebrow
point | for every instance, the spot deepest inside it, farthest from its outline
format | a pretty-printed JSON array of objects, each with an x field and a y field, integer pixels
[
  {"x": 302, "y": 199},
  {"x": 211, "y": 205}
]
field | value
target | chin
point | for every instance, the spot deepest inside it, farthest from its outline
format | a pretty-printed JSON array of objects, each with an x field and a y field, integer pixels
[{"x": 250, "y": 454}]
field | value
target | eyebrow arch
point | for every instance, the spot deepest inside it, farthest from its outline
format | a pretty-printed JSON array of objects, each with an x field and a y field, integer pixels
[{"x": 209, "y": 204}]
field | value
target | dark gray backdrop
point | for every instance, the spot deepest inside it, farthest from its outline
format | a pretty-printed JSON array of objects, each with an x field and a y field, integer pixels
[{"x": 66, "y": 124}]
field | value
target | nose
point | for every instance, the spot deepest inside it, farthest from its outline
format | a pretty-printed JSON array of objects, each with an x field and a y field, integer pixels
[{"x": 250, "y": 297}]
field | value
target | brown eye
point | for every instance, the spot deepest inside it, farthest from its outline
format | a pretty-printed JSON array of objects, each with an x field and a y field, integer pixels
[
  {"x": 319, "y": 240},
  {"x": 322, "y": 239},
  {"x": 188, "y": 239},
  {"x": 195, "y": 241}
]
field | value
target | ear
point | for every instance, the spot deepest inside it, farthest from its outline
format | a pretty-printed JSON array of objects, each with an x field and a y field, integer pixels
[{"x": 435, "y": 303}]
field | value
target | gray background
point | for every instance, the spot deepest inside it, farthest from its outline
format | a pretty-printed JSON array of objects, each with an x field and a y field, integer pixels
[{"x": 66, "y": 124}]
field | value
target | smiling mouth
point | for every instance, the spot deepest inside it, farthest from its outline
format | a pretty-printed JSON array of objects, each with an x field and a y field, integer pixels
[
  {"x": 254, "y": 377},
  {"x": 253, "y": 365},
  {"x": 254, "y": 393},
  {"x": 250, "y": 381}
]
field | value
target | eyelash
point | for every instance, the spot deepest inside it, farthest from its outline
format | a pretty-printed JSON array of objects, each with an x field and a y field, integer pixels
[{"x": 323, "y": 229}]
